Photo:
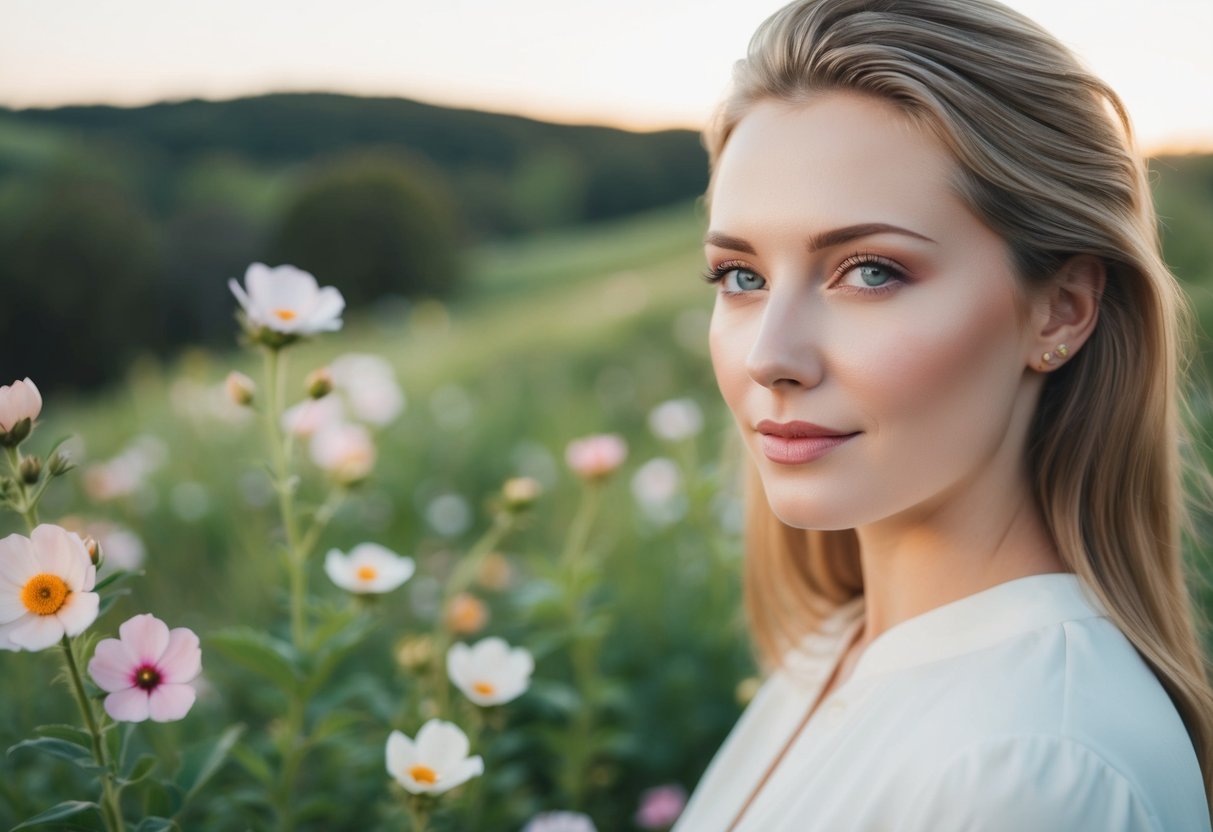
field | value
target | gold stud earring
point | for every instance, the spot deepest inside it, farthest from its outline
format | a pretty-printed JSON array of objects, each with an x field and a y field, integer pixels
[{"x": 1062, "y": 350}]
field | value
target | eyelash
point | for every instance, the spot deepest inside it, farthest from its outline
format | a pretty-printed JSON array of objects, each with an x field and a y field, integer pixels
[{"x": 859, "y": 258}]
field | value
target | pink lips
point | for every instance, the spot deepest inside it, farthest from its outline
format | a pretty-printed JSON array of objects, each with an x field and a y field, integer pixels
[{"x": 794, "y": 443}]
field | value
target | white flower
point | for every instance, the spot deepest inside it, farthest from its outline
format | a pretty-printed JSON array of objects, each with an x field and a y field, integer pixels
[
  {"x": 310, "y": 415},
  {"x": 368, "y": 567},
  {"x": 490, "y": 673},
  {"x": 344, "y": 450},
  {"x": 369, "y": 384},
  {"x": 676, "y": 419},
  {"x": 19, "y": 400},
  {"x": 560, "y": 822},
  {"x": 437, "y": 762},
  {"x": 287, "y": 299},
  {"x": 45, "y": 587}
]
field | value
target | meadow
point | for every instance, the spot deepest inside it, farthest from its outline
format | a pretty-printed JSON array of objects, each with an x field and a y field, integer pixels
[{"x": 567, "y": 333}]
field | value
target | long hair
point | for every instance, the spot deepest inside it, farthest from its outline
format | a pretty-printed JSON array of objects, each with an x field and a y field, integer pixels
[{"x": 1047, "y": 158}]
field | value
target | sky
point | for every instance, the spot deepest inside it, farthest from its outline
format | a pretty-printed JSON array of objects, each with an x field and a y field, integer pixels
[{"x": 638, "y": 64}]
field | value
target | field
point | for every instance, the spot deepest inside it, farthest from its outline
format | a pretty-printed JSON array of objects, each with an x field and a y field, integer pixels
[{"x": 570, "y": 334}]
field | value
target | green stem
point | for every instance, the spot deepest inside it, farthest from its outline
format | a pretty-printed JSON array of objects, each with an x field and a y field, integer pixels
[
  {"x": 110, "y": 810},
  {"x": 275, "y": 374},
  {"x": 29, "y": 504}
]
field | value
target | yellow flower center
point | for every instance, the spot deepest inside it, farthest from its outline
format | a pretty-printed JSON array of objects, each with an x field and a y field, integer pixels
[
  {"x": 44, "y": 594},
  {"x": 485, "y": 688},
  {"x": 423, "y": 774},
  {"x": 285, "y": 314},
  {"x": 366, "y": 573}
]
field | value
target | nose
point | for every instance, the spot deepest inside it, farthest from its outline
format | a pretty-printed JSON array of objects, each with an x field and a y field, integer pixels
[{"x": 785, "y": 351}]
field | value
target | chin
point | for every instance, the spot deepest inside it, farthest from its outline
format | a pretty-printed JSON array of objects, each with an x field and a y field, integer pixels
[{"x": 810, "y": 507}]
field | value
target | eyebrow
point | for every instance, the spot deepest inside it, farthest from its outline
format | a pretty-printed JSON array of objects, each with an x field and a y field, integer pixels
[{"x": 817, "y": 242}]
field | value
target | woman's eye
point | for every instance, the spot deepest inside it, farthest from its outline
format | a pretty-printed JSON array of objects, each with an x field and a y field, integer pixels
[
  {"x": 874, "y": 275},
  {"x": 735, "y": 280}
]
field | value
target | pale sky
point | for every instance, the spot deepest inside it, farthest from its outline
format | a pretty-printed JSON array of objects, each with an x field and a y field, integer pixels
[{"x": 640, "y": 64}]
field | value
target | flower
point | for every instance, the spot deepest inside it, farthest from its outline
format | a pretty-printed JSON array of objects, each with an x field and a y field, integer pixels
[
  {"x": 521, "y": 492},
  {"x": 661, "y": 806},
  {"x": 45, "y": 587},
  {"x": 344, "y": 450},
  {"x": 318, "y": 383},
  {"x": 414, "y": 652},
  {"x": 594, "y": 457},
  {"x": 368, "y": 567},
  {"x": 465, "y": 613},
  {"x": 676, "y": 419},
  {"x": 494, "y": 572},
  {"x": 491, "y": 672},
  {"x": 288, "y": 301},
  {"x": 560, "y": 822},
  {"x": 368, "y": 383},
  {"x": 147, "y": 670},
  {"x": 240, "y": 388},
  {"x": 437, "y": 762},
  {"x": 19, "y": 401},
  {"x": 310, "y": 415}
]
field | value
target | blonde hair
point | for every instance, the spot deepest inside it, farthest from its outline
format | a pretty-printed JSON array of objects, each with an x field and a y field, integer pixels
[{"x": 1046, "y": 157}]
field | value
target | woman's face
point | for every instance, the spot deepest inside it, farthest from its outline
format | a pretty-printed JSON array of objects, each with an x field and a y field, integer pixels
[{"x": 908, "y": 340}]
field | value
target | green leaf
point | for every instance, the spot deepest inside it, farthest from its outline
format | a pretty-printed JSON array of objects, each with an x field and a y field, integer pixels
[
  {"x": 66, "y": 809},
  {"x": 110, "y": 599},
  {"x": 67, "y": 733},
  {"x": 254, "y": 763},
  {"x": 260, "y": 652},
  {"x": 63, "y": 749},
  {"x": 115, "y": 577},
  {"x": 213, "y": 761},
  {"x": 155, "y": 824},
  {"x": 141, "y": 769}
]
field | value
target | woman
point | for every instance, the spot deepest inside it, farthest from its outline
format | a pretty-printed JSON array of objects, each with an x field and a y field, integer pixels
[{"x": 933, "y": 238}]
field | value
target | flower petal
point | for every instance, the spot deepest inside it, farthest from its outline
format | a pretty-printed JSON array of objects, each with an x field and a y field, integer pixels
[
  {"x": 79, "y": 610},
  {"x": 17, "y": 561},
  {"x": 181, "y": 660},
  {"x": 401, "y": 752},
  {"x": 460, "y": 773},
  {"x": 245, "y": 301},
  {"x": 146, "y": 636},
  {"x": 128, "y": 705},
  {"x": 459, "y": 664},
  {"x": 61, "y": 553},
  {"x": 441, "y": 745},
  {"x": 170, "y": 702},
  {"x": 325, "y": 314},
  {"x": 37, "y": 632},
  {"x": 112, "y": 666}
]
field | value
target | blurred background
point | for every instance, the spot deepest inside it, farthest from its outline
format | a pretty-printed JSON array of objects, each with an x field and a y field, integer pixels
[{"x": 506, "y": 195}]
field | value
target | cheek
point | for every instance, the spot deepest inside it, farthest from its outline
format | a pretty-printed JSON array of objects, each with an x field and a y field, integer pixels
[
  {"x": 941, "y": 377},
  {"x": 729, "y": 340}
]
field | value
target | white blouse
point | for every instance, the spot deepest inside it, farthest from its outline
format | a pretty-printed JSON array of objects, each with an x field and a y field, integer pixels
[{"x": 1020, "y": 708}]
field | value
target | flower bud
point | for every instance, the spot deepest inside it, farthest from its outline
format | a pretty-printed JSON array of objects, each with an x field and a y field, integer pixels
[
  {"x": 465, "y": 614},
  {"x": 59, "y": 463},
  {"x": 17, "y": 434},
  {"x": 319, "y": 383},
  {"x": 596, "y": 457},
  {"x": 93, "y": 547},
  {"x": 414, "y": 653},
  {"x": 494, "y": 572},
  {"x": 240, "y": 388},
  {"x": 31, "y": 470},
  {"x": 520, "y": 493}
]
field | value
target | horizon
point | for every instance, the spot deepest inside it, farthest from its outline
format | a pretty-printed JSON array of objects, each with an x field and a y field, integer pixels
[{"x": 641, "y": 67}]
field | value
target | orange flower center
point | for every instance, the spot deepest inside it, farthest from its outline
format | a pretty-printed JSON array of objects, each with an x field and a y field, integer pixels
[
  {"x": 423, "y": 774},
  {"x": 44, "y": 594},
  {"x": 285, "y": 314},
  {"x": 485, "y": 688},
  {"x": 366, "y": 573}
]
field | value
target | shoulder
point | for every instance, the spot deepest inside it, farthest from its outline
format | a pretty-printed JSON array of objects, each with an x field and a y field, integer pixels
[{"x": 1042, "y": 782}]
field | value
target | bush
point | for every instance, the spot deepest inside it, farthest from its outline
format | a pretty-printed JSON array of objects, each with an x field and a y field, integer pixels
[{"x": 379, "y": 223}]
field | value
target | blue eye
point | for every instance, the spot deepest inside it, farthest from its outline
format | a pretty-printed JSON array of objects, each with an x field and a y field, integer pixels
[{"x": 746, "y": 279}]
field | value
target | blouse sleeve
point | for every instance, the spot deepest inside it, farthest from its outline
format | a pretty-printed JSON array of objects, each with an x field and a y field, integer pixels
[{"x": 1044, "y": 783}]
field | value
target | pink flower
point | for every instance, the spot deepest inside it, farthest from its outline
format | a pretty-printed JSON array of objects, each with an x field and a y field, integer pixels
[
  {"x": 19, "y": 400},
  {"x": 597, "y": 456},
  {"x": 661, "y": 806},
  {"x": 147, "y": 670}
]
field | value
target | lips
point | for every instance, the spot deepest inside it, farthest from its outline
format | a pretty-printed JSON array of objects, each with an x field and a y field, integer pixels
[{"x": 797, "y": 429}]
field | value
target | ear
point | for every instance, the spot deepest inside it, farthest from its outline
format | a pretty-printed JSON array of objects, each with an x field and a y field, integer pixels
[{"x": 1066, "y": 311}]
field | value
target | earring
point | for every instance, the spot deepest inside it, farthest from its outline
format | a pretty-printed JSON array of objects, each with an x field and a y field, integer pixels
[{"x": 1047, "y": 357}]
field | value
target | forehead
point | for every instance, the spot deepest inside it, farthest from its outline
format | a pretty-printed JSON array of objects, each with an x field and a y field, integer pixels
[{"x": 840, "y": 157}]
